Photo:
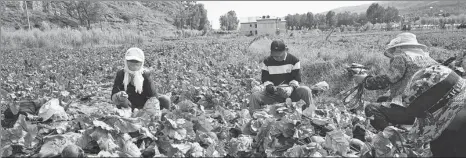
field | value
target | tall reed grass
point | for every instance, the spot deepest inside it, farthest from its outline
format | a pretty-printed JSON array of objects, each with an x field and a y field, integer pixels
[{"x": 66, "y": 37}]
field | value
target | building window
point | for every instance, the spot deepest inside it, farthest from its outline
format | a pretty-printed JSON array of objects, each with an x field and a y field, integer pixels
[
  {"x": 256, "y": 32},
  {"x": 250, "y": 32},
  {"x": 256, "y": 25},
  {"x": 250, "y": 25}
]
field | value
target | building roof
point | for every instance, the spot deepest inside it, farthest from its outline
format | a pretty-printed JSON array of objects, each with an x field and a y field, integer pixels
[
  {"x": 250, "y": 20},
  {"x": 270, "y": 19}
]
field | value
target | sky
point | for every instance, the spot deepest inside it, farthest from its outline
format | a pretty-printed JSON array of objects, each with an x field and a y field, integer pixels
[{"x": 245, "y": 9}]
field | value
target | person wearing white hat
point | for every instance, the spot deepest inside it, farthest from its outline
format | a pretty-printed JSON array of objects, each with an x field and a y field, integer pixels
[
  {"x": 407, "y": 56},
  {"x": 436, "y": 97},
  {"x": 133, "y": 86},
  {"x": 409, "y": 65}
]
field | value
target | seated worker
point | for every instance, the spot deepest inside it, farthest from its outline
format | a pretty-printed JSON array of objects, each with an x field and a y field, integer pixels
[
  {"x": 279, "y": 70},
  {"x": 133, "y": 86}
]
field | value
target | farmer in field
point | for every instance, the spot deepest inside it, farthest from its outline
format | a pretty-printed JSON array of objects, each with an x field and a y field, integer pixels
[
  {"x": 407, "y": 56},
  {"x": 281, "y": 74},
  {"x": 423, "y": 93},
  {"x": 133, "y": 86}
]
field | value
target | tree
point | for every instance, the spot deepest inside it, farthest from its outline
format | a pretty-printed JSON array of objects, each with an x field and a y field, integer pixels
[
  {"x": 302, "y": 21},
  {"x": 295, "y": 20},
  {"x": 346, "y": 18},
  {"x": 289, "y": 25},
  {"x": 330, "y": 18},
  {"x": 391, "y": 14},
  {"x": 375, "y": 13},
  {"x": 319, "y": 20},
  {"x": 362, "y": 19},
  {"x": 197, "y": 17},
  {"x": 309, "y": 19},
  {"x": 229, "y": 21},
  {"x": 192, "y": 15},
  {"x": 86, "y": 12}
]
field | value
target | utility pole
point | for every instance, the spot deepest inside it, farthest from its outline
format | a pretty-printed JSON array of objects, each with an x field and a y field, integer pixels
[{"x": 27, "y": 14}]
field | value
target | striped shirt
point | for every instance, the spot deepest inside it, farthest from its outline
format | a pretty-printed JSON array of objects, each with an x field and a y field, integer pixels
[{"x": 281, "y": 72}]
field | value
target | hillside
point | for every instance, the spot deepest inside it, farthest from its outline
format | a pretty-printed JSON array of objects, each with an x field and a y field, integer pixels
[
  {"x": 414, "y": 8},
  {"x": 146, "y": 15}
]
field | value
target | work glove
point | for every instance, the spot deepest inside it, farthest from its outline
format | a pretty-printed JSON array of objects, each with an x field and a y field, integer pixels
[
  {"x": 121, "y": 99},
  {"x": 359, "y": 78},
  {"x": 356, "y": 68},
  {"x": 284, "y": 91},
  {"x": 294, "y": 84},
  {"x": 270, "y": 89}
]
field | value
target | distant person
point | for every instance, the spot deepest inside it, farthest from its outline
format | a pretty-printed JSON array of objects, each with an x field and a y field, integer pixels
[
  {"x": 133, "y": 87},
  {"x": 281, "y": 74}
]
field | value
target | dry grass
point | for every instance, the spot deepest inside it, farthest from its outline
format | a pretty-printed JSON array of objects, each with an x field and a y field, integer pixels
[{"x": 65, "y": 37}]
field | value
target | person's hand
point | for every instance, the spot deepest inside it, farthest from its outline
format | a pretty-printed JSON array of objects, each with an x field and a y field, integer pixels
[
  {"x": 294, "y": 84},
  {"x": 121, "y": 99},
  {"x": 359, "y": 78},
  {"x": 284, "y": 92},
  {"x": 270, "y": 89},
  {"x": 121, "y": 95}
]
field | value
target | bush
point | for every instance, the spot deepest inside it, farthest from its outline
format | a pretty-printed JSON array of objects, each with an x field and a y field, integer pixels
[
  {"x": 343, "y": 28},
  {"x": 378, "y": 26},
  {"x": 389, "y": 26},
  {"x": 366, "y": 27},
  {"x": 462, "y": 26}
]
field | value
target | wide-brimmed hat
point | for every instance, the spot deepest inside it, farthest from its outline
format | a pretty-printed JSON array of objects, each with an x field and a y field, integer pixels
[{"x": 404, "y": 39}]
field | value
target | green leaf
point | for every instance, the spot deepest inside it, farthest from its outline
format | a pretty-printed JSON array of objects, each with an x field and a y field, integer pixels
[
  {"x": 6, "y": 151},
  {"x": 129, "y": 149},
  {"x": 31, "y": 130},
  {"x": 202, "y": 124},
  {"x": 242, "y": 143},
  {"x": 15, "y": 134},
  {"x": 102, "y": 125},
  {"x": 337, "y": 141},
  {"x": 296, "y": 151},
  {"x": 184, "y": 148},
  {"x": 85, "y": 139},
  {"x": 53, "y": 146},
  {"x": 104, "y": 139},
  {"x": 304, "y": 131},
  {"x": 104, "y": 153},
  {"x": 383, "y": 146},
  {"x": 211, "y": 152},
  {"x": 123, "y": 125},
  {"x": 196, "y": 150}
]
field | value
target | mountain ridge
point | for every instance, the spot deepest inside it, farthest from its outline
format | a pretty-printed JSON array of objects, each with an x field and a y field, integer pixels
[{"x": 413, "y": 8}]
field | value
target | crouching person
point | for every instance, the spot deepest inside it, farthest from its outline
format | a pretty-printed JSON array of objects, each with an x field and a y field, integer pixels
[
  {"x": 281, "y": 75},
  {"x": 133, "y": 87},
  {"x": 435, "y": 102}
]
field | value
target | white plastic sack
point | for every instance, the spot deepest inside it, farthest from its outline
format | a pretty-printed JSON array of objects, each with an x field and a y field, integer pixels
[
  {"x": 52, "y": 108},
  {"x": 321, "y": 86}
]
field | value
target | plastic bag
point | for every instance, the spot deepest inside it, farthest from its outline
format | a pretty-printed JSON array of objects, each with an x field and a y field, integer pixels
[{"x": 52, "y": 108}]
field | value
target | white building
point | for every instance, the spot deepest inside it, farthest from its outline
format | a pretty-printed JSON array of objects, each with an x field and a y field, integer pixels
[{"x": 263, "y": 25}]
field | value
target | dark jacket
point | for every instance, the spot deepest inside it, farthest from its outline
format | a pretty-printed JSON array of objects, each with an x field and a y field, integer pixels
[{"x": 137, "y": 100}]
